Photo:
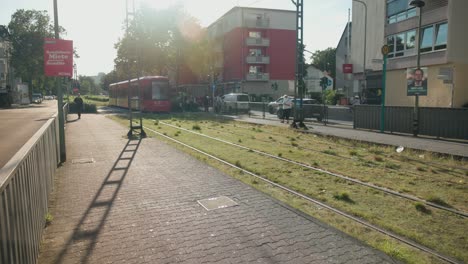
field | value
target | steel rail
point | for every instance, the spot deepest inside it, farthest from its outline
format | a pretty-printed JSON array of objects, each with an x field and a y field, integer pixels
[
  {"x": 401, "y": 195},
  {"x": 337, "y": 211}
]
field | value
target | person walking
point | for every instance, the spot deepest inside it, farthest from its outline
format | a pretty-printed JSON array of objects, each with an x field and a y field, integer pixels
[
  {"x": 79, "y": 105},
  {"x": 206, "y": 102},
  {"x": 287, "y": 106}
]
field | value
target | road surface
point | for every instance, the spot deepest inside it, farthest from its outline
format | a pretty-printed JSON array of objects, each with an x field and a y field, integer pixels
[{"x": 18, "y": 125}]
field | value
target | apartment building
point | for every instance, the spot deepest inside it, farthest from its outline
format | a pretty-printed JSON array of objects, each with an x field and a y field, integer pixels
[
  {"x": 443, "y": 41},
  {"x": 257, "y": 48}
]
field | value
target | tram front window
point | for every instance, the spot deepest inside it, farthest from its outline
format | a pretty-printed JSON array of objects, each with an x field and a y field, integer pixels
[{"x": 160, "y": 90}]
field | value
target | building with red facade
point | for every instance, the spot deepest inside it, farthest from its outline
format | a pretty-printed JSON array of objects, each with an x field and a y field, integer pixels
[{"x": 256, "y": 51}]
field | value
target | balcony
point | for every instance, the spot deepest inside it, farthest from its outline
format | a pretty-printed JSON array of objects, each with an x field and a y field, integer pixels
[
  {"x": 257, "y": 23},
  {"x": 258, "y": 59},
  {"x": 264, "y": 42},
  {"x": 257, "y": 77}
]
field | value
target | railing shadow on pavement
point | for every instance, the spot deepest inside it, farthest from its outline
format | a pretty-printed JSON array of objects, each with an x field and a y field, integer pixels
[{"x": 101, "y": 204}]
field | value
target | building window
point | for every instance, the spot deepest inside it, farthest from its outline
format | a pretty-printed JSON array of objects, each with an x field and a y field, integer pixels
[
  {"x": 411, "y": 39},
  {"x": 255, "y": 34},
  {"x": 255, "y": 69},
  {"x": 441, "y": 36},
  {"x": 434, "y": 37},
  {"x": 399, "y": 10},
  {"x": 401, "y": 44},
  {"x": 255, "y": 52}
]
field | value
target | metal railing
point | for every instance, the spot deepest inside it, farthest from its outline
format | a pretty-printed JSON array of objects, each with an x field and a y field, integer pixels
[
  {"x": 257, "y": 76},
  {"x": 26, "y": 183},
  {"x": 437, "y": 122},
  {"x": 310, "y": 111}
]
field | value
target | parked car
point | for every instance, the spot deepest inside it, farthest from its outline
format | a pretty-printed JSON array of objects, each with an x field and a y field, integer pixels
[
  {"x": 234, "y": 103},
  {"x": 37, "y": 98},
  {"x": 311, "y": 108},
  {"x": 275, "y": 105}
]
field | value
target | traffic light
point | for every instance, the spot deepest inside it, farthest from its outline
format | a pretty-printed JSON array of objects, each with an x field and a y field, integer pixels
[{"x": 324, "y": 82}]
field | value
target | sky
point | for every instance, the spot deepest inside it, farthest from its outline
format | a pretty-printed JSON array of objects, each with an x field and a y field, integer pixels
[{"x": 96, "y": 25}]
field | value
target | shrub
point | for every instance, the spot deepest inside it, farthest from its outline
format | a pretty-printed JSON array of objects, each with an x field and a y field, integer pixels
[
  {"x": 439, "y": 201},
  {"x": 97, "y": 98},
  {"x": 421, "y": 208},
  {"x": 87, "y": 108},
  {"x": 343, "y": 197},
  {"x": 196, "y": 127}
]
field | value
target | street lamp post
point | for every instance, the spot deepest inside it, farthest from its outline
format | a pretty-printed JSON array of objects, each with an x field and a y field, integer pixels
[
  {"x": 365, "y": 42},
  {"x": 419, "y": 4},
  {"x": 63, "y": 155}
]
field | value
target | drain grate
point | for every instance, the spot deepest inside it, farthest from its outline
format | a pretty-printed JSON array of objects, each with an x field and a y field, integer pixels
[
  {"x": 217, "y": 203},
  {"x": 82, "y": 161}
]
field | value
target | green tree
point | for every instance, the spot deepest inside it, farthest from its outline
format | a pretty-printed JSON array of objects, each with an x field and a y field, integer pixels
[
  {"x": 325, "y": 60},
  {"x": 87, "y": 85},
  {"x": 159, "y": 42},
  {"x": 28, "y": 28}
]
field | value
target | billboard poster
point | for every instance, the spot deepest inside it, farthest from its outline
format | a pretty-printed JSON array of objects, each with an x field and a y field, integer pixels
[
  {"x": 58, "y": 57},
  {"x": 416, "y": 80}
]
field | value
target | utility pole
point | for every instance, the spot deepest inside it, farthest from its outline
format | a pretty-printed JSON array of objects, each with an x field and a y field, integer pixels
[
  {"x": 299, "y": 80},
  {"x": 138, "y": 101},
  {"x": 419, "y": 4},
  {"x": 58, "y": 85},
  {"x": 364, "y": 74}
]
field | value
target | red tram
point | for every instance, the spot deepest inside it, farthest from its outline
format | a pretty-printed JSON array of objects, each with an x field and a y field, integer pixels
[{"x": 154, "y": 90}]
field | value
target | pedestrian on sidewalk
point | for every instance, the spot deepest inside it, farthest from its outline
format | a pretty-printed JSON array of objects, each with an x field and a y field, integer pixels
[
  {"x": 206, "y": 102},
  {"x": 79, "y": 105},
  {"x": 287, "y": 106}
]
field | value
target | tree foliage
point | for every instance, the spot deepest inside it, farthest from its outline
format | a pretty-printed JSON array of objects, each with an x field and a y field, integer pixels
[
  {"x": 325, "y": 60},
  {"x": 87, "y": 85},
  {"x": 28, "y": 28},
  {"x": 161, "y": 42}
]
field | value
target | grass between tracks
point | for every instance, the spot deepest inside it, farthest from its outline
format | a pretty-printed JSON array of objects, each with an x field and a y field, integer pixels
[{"x": 407, "y": 172}]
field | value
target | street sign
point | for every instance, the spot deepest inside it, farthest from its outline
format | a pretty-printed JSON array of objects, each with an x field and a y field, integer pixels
[
  {"x": 385, "y": 49},
  {"x": 58, "y": 57},
  {"x": 347, "y": 68}
]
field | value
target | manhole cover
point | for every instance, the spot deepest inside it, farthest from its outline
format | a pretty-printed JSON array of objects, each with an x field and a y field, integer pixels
[
  {"x": 216, "y": 203},
  {"x": 82, "y": 161}
]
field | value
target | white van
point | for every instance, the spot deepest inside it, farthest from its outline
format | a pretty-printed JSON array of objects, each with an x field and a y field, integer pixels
[{"x": 235, "y": 103}]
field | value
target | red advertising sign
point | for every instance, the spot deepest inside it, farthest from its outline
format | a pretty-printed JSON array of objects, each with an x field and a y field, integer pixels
[
  {"x": 347, "y": 68},
  {"x": 58, "y": 57}
]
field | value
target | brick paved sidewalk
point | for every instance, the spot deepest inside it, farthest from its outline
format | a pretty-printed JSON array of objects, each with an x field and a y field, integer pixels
[{"x": 120, "y": 201}]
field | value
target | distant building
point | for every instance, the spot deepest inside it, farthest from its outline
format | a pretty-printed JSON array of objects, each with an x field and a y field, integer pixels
[
  {"x": 4, "y": 64},
  {"x": 443, "y": 47},
  {"x": 312, "y": 80},
  {"x": 257, "y": 50},
  {"x": 344, "y": 81}
]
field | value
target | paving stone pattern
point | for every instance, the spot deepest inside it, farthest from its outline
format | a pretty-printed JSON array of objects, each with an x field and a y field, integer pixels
[{"x": 144, "y": 209}]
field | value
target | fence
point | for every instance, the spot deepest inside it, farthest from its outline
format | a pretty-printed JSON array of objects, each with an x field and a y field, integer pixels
[
  {"x": 320, "y": 112},
  {"x": 26, "y": 182},
  {"x": 437, "y": 122}
]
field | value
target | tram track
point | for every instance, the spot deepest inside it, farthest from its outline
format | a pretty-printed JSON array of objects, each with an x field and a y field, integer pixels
[
  {"x": 427, "y": 163},
  {"x": 347, "y": 178},
  {"x": 308, "y": 198}
]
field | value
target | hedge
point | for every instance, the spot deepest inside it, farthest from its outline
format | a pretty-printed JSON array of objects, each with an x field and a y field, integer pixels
[{"x": 87, "y": 108}]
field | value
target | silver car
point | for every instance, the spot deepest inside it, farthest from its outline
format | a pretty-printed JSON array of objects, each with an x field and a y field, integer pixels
[{"x": 234, "y": 103}]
